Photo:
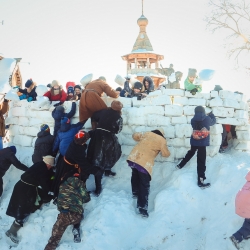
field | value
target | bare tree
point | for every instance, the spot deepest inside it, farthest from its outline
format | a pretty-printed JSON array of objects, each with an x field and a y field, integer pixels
[{"x": 233, "y": 18}]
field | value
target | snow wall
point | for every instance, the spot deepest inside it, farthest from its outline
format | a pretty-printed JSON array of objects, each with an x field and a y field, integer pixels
[{"x": 171, "y": 109}]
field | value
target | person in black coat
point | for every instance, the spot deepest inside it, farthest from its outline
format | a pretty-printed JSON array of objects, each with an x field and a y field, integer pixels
[
  {"x": 29, "y": 92},
  {"x": 25, "y": 195},
  {"x": 58, "y": 114},
  {"x": 148, "y": 84},
  {"x": 7, "y": 157},
  {"x": 43, "y": 144},
  {"x": 104, "y": 149},
  {"x": 199, "y": 140}
]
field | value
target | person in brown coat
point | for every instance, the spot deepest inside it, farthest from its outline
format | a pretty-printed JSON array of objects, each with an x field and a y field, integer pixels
[
  {"x": 141, "y": 160},
  {"x": 91, "y": 100},
  {"x": 3, "y": 110}
]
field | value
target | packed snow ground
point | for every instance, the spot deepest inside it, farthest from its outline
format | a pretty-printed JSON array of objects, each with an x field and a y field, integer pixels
[{"x": 181, "y": 215}]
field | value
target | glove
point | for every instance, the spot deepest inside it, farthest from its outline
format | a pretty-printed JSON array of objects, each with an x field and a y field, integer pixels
[
  {"x": 30, "y": 99},
  {"x": 193, "y": 91},
  {"x": 22, "y": 97},
  {"x": 57, "y": 104}
]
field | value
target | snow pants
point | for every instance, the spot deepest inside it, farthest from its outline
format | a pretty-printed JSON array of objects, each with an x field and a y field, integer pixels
[
  {"x": 244, "y": 232},
  {"x": 63, "y": 221},
  {"x": 140, "y": 183},
  {"x": 201, "y": 160}
]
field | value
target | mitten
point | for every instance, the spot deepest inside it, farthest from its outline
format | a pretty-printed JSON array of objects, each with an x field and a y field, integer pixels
[
  {"x": 193, "y": 91},
  {"x": 22, "y": 97},
  {"x": 30, "y": 99}
]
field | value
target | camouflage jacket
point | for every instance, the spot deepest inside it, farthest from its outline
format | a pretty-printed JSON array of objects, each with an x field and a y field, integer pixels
[{"x": 72, "y": 195}]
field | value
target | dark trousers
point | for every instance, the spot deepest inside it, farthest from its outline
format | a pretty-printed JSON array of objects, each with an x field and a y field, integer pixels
[
  {"x": 63, "y": 221},
  {"x": 243, "y": 232},
  {"x": 140, "y": 183},
  {"x": 1, "y": 185},
  {"x": 224, "y": 137},
  {"x": 201, "y": 159}
]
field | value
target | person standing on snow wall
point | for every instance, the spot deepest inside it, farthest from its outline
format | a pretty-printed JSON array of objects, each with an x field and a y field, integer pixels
[
  {"x": 91, "y": 100},
  {"x": 199, "y": 140},
  {"x": 189, "y": 82},
  {"x": 141, "y": 161},
  {"x": 104, "y": 149}
]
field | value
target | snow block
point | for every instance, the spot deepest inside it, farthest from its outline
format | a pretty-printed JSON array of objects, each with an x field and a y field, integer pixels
[
  {"x": 243, "y": 105},
  {"x": 180, "y": 152},
  {"x": 142, "y": 111},
  {"x": 87, "y": 124},
  {"x": 24, "y": 121},
  {"x": 18, "y": 111},
  {"x": 216, "y": 102},
  {"x": 160, "y": 100},
  {"x": 32, "y": 131},
  {"x": 232, "y": 121},
  {"x": 215, "y": 140},
  {"x": 216, "y": 129},
  {"x": 45, "y": 116},
  {"x": 127, "y": 129},
  {"x": 187, "y": 142},
  {"x": 179, "y": 120},
  {"x": 180, "y": 100},
  {"x": 12, "y": 120},
  {"x": 241, "y": 114},
  {"x": 229, "y": 103},
  {"x": 23, "y": 140},
  {"x": 212, "y": 150},
  {"x": 189, "y": 118},
  {"x": 196, "y": 102},
  {"x": 183, "y": 130},
  {"x": 225, "y": 94},
  {"x": 173, "y": 110},
  {"x": 246, "y": 127},
  {"x": 127, "y": 139},
  {"x": 126, "y": 149},
  {"x": 140, "y": 120},
  {"x": 243, "y": 145},
  {"x": 223, "y": 112},
  {"x": 214, "y": 94},
  {"x": 189, "y": 110},
  {"x": 157, "y": 120},
  {"x": 174, "y": 92},
  {"x": 125, "y": 119},
  {"x": 75, "y": 120},
  {"x": 176, "y": 142},
  {"x": 42, "y": 103},
  {"x": 243, "y": 135},
  {"x": 31, "y": 113},
  {"x": 197, "y": 95},
  {"x": 14, "y": 130}
]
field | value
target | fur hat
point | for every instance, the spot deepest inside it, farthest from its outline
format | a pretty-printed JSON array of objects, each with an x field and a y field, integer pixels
[
  {"x": 54, "y": 83},
  {"x": 28, "y": 83},
  {"x": 81, "y": 137},
  {"x": 116, "y": 105},
  {"x": 44, "y": 127},
  {"x": 13, "y": 149},
  {"x": 65, "y": 120},
  {"x": 70, "y": 90},
  {"x": 77, "y": 87},
  {"x": 217, "y": 88},
  {"x": 102, "y": 78},
  {"x": 199, "y": 109},
  {"x": 138, "y": 85},
  {"x": 50, "y": 160},
  {"x": 192, "y": 73}
]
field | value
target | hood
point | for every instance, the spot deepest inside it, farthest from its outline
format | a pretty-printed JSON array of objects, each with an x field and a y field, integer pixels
[
  {"x": 65, "y": 127},
  {"x": 199, "y": 116},
  {"x": 58, "y": 114},
  {"x": 248, "y": 176},
  {"x": 150, "y": 81},
  {"x": 43, "y": 134}
]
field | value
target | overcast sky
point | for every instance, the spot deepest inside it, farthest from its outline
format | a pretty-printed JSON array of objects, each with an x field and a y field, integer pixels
[{"x": 65, "y": 39}]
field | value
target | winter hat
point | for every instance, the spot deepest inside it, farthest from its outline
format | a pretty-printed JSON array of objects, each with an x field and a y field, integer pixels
[
  {"x": 60, "y": 108},
  {"x": 81, "y": 137},
  {"x": 217, "y": 88},
  {"x": 102, "y": 78},
  {"x": 65, "y": 120},
  {"x": 199, "y": 109},
  {"x": 54, "y": 83},
  {"x": 50, "y": 160},
  {"x": 44, "y": 127},
  {"x": 192, "y": 73},
  {"x": 138, "y": 85},
  {"x": 77, "y": 87},
  {"x": 28, "y": 83},
  {"x": 116, "y": 105},
  {"x": 70, "y": 90},
  {"x": 118, "y": 89},
  {"x": 70, "y": 84},
  {"x": 13, "y": 149}
]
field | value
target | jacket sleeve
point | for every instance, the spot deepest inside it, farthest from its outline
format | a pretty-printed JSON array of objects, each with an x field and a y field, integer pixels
[
  {"x": 24, "y": 91},
  {"x": 212, "y": 119},
  {"x": 47, "y": 94},
  {"x": 109, "y": 91},
  {"x": 138, "y": 136},
  {"x": 164, "y": 150},
  {"x": 189, "y": 86},
  {"x": 17, "y": 163},
  {"x": 56, "y": 144},
  {"x": 72, "y": 111},
  {"x": 64, "y": 96},
  {"x": 4, "y": 109}
]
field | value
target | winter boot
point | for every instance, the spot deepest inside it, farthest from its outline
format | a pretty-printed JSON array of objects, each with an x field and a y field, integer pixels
[
  {"x": 98, "y": 183},
  {"x": 235, "y": 242},
  {"x": 109, "y": 173},
  {"x": 76, "y": 233},
  {"x": 201, "y": 183},
  {"x": 143, "y": 212},
  {"x": 12, "y": 232}
]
